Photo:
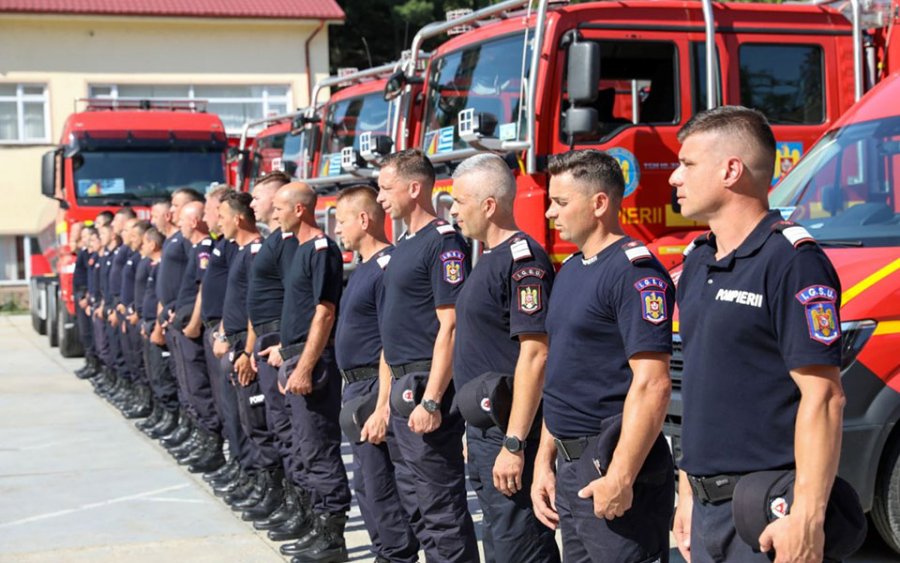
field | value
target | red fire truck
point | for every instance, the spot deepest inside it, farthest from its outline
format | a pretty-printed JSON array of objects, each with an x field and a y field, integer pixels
[
  {"x": 111, "y": 154},
  {"x": 624, "y": 77},
  {"x": 846, "y": 192}
]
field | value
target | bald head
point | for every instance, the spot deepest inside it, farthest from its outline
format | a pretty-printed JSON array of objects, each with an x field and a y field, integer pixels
[
  {"x": 295, "y": 203},
  {"x": 190, "y": 219},
  {"x": 298, "y": 193}
]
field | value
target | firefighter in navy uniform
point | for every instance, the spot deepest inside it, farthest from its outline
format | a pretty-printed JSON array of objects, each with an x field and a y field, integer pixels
[
  {"x": 139, "y": 403},
  {"x": 607, "y": 378},
  {"x": 308, "y": 374},
  {"x": 238, "y": 223},
  {"x": 759, "y": 296},
  {"x": 428, "y": 267},
  {"x": 80, "y": 288},
  {"x": 500, "y": 314},
  {"x": 360, "y": 224}
]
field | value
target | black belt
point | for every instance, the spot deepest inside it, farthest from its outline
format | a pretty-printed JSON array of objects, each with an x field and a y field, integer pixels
[
  {"x": 233, "y": 339},
  {"x": 212, "y": 324},
  {"x": 267, "y": 328},
  {"x": 288, "y": 352},
  {"x": 359, "y": 374},
  {"x": 571, "y": 450},
  {"x": 399, "y": 371},
  {"x": 715, "y": 488}
]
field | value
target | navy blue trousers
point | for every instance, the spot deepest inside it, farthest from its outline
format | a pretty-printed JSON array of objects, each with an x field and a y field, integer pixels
[
  {"x": 435, "y": 461},
  {"x": 374, "y": 482},
  {"x": 316, "y": 440},
  {"x": 278, "y": 414},
  {"x": 161, "y": 381},
  {"x": 197, "y": 382},
  {"x": 225, "y": 402},
  {"x": 510, "y": 531}
]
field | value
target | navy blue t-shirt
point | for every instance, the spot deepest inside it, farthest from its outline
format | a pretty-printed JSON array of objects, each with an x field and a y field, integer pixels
[
  {"x": 746, "y": 320},
  {"x": 198, "y": 261},
  {"x": 129, "y": 269},
  {"x": 316, "y": 275},
  {"x": 106, "y": 261},
  {"x": 171, "y": 269},
  {"x": 235, "y": 309},
  {"x": 150, "y": 296},
  {"x": 80, "y": 275},
  {"x": 213, "y": 288},
  {"x": 142, "y": 272},
  {"x": 270, "y": 265},
  {"x": 358, "y": 338},
  {"x": 603, "y": 311},
  {"x": 119, "y": 258},
  {"x": 505, "y": 296},
  {"x": 93, "y": 279},
  {"x": 427, "y": 271}
]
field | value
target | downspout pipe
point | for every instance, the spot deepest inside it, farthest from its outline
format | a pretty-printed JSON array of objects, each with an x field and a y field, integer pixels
[{"x": 309, "y": 73}]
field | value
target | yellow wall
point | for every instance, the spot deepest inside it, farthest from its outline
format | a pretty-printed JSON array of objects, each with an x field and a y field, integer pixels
[{"x": 69, "y": 53}]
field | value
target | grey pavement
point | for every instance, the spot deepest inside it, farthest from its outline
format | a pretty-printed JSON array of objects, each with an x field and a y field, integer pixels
[{"x": 78, "y": 483}]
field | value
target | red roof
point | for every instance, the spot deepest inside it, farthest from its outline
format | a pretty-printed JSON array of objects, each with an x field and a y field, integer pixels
[{"x": 291, "y": 9}]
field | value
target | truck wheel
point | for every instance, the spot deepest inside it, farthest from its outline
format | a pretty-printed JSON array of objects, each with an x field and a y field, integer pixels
[
  {"x": 38, "y": 307},
  {"x": 886, "y": 505},
  {"x": 52, "y": 306},
  {"x": 67, "y": 328}
]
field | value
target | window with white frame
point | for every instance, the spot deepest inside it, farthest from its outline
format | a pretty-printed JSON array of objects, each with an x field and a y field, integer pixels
[
  {"x": 24, "y": 113},
  {"x": 234, "y": 104}
]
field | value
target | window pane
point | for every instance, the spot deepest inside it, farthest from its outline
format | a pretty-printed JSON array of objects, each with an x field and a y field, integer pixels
[
  {"x": 146, "y": 91},
  {"x": 275, "y": 91},
  {"x": 790, "y": 92},
  {"x": 234, "y": 115},
  {"x": 211, "y": 92},
  {"x": 7, "y": 89},
  {"x": 9, "y": 125},
  {"x": 277, "y": 109},
  {"x": 100, "y": 91},
  {"x": 34, "y": 120},
  {"x": 698, "y": 54},
  {"x": 33, "y": 90}
]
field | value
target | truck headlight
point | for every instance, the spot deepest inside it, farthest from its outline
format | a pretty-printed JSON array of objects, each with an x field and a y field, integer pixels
[{"x": 854, "y": 335}]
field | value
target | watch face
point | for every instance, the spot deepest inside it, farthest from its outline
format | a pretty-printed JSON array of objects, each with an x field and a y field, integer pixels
[
  {"x": 512, "y": 444},
  {"x": 429, "y": 405}
]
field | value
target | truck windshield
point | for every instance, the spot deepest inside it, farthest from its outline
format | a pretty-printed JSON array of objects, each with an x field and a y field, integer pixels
[
  {"x": 845, "y": 190},
  {"x": 345, "y": 121},
  {"x": 103, "y": 177},
  {"x": 296, "y": 154},
  {"x": 267, "y": 155},
  {"x": 485, "y": 77}
]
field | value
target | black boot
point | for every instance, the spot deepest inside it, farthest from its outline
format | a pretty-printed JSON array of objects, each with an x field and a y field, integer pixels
[
  {"x": 283, "y": 512},
  {"x": 300, "y": 523},
  {"x": 328, "y": 545},
  {"x": 196, "y": 439},
  {"x": 209, "y": 459},
  {"x": 181, "y": 433},
  {"x": 243, "y": 490},
  {"x": 122, "y": 395},
  {"x": 237, "y": 481},
  {"x": 141, "y": 406},
  {"x": 222, "y": 474},
  {"x": 168, "y": 422},
  {"x": 156, "y": 412},
  {"x": 272, "y": 498},
  {"x": 263, "y": 480}
]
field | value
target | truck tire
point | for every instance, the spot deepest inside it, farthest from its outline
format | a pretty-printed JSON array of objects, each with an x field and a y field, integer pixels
[
  {"x": 886, "y": 505},
  {"x": 38, "y": 304},
  {"x": 67, "y": 328},
  {"x": 52, "y": 302}
]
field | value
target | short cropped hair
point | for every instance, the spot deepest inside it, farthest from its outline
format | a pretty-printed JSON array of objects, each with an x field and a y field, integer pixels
[
  {"x": 103, "y": 218},
  {"x": 366, "y": 196},
  {"x": 239, "y": 202},
  {"x": 496, "y": 179},
  {"x": 274, "y": 179},
  {"x": 747, "y": 124},
  {"x": 127, "y": 212},
  {"x": 411, "y": 164},
  {"x": 593, "y": 168},
  {"x": 217, "y": 191},
  {"x": 191, "y": 193},
  {"x": 142, "y": 226},
  {"x": 155, "y": 236}
]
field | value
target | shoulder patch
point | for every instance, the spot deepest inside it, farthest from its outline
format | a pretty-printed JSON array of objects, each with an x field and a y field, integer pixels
[
  {"x": 821, "y": 310},
  {"x": 636, "y": 252},
  {"x": 203, "y": 259},
  {"x": 206, "y": 242},
  {"x": 452, "y": 266},
  {"x": 445, "y": 229},
  {"x": 653, "y": 299},
  {"x": 530, "y": 272},
  {"x": 321, "y": 243},
  {"x": 217, "y": 252},
  {"x": 699, "y": 241},
  {"x": 130, "y": 263},
  {"x": 796, "y": 234},
  {"x": 383, "y": 261},
  {"x": 254, "y": 247},
  {"x": 520, "y": 250},
  {"x": 530, "y": 299}
]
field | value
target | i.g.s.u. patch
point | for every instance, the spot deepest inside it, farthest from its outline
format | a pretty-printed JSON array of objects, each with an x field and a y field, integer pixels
[
  {"x": 530, "y": 300},
  {"x": 203, "y": 259},
  {"x": 819, "y": 302},
  {"x": 452, "y": 266},
  {"x": 653, "y": 299}
]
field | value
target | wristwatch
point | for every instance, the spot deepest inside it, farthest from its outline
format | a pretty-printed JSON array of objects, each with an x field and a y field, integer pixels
[
  {"x": 431, "y": 406},
  {"x": 220, "y": 337},
  {"x": 513, "y": 444}
]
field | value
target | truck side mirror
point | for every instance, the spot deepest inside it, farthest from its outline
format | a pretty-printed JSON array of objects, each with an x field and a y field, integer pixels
[
  {"x": 583, "y": 74},
  {"x": 48, "y": 174},
  {"x": 581, "y": 121}
]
